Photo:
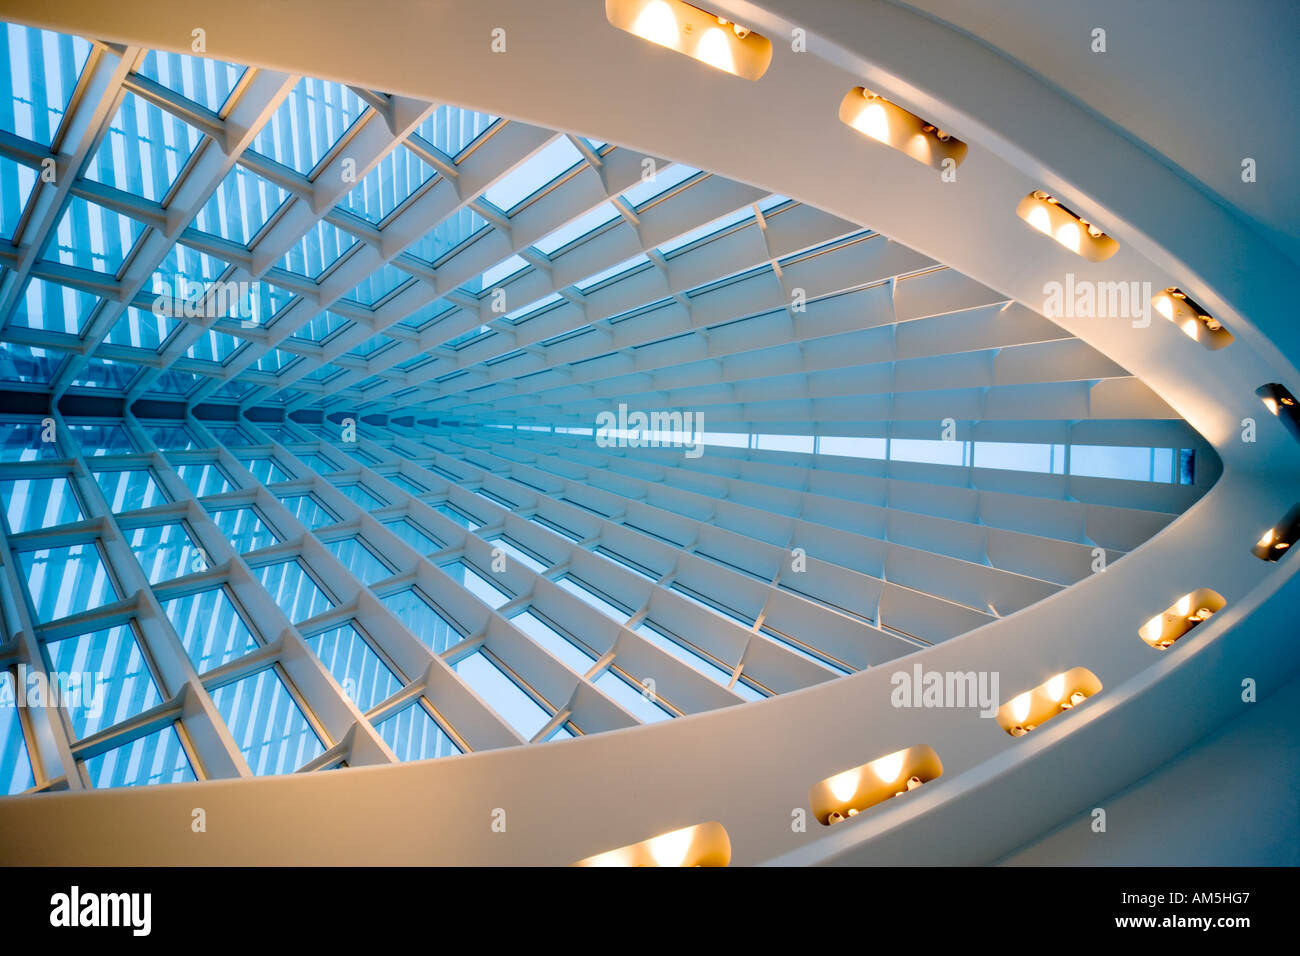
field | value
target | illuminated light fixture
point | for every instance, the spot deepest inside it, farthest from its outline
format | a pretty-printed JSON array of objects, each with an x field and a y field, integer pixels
[
  {"x": 1277, "y": 541},
  {"x": 877, "y": 118},
  {"x": 1054, "y": 696},
  {"x": 849, "y": 793},
  {"x": 712, "y": 40},
  {"x": 1196, "y": 323},
  {"x": 1278, "y": 400},
  {"x": 705, "y": 844},
  {"x": 1180, "y": 617},
  {"x": 1078, "y": 235}
]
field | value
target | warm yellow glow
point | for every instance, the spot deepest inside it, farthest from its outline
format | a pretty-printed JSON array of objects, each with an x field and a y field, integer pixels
[
  {"x": 1165, "y": 305},
  {"x": 714, "y": 49},
  {"x": 1040, "y": 220},
  {"x": 1153, "y": 629},
  {"x": 1069, "y": 236},
  {"x": 873, "y": 121},
  {"x": 1265, "y": 541},
  {"x": 1184, "y": 605},
  {"x": 670, "y": 849},
  {"x": 888, "y": 768},
  {"x": 1056, "y": 687},
  {"x": 657, "y": 24},
  {"x": 1189, "y": 328},
  {"x": 1020, "y": 707},
  {"x": 845, "y": 785},
  {"x": 1271, "y": 404}
]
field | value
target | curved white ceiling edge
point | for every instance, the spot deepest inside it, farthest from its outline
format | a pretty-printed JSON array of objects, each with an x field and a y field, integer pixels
[{"x": 751, "y": 767}]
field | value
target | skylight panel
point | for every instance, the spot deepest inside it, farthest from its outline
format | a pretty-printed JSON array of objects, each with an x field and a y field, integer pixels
[
  {"x": 379, "y": 284},
  {"x": 612, "y": 271},
  {"x": 275, "y": 361},
  {"x": 313, "y": 117},
  {"x": 140, "y": 329},
  {"x": 172, "y": 382},
  {"x": 425, "y": 316},
  {"x": 29, "y": 365},
  {"x": 105, "y": 373},
  {"x": 708, "y": 229},
  {"x": 587, "y": 222},
  {"x": 452, "y": 129},
  {"x": 93, "y": 237},
  {"x": 16, "y": 183},
  {"x": 502, "y": 270},
  {"x": 214, "y": 346},
  {"x": 321, "y": 327},
  {"x": 370, "y": 346},
  {"x": 533, "y": 307},
  {"x": 387, "y": 186},
  {"x": 665, "y": 178},
  {"x": 204, "y": 81},
  {"x": 144, "y": 151},
  {"x": 322, "y": 246},
  {"x": 184, "y": 275},
  {"x": 539, "y": 170},
  {"x": 447, "y": 235},
  {"x": 54, "y": 307},
  {"x": 44, "y": 68},
  {"x": 242, "y": 204}
]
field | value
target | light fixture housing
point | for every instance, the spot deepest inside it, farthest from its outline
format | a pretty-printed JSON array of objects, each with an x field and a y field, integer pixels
[
  {"x": 1048, "y": 216},
  {"x": 848, "y": 793},
  {"x": 1280, "y": 538},
  {"x": 705, "y": 844},
  {"x": 1052, "y": 697},
  {"x": 1175, "y": 621},
  {"x": 877, "y": 118},
  {"x": 1196, "y": 323},
  {"x": 713, "y": 40},
  {"x": 1278, "y": 399}
]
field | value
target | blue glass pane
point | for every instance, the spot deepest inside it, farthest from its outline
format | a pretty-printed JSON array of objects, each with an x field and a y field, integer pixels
[
  {"x": 362, "y": 497},
  {"x": 359, "y": 560},
  {"x": 502, "y": 694},
  {"x": 413, "y": 535},
  {"x": 140, "y": 329},
  {"x": 320, "y": 464},
  {"x": 266, "y": 470},
  {"x": 244, "y": 528},
  {"x": 630, "y": 697},
  {"x": 308, "y": 510},
  {"x": 589, "y": 596},
  {"x": 239, "y": 207},
  {"x": 293, "y": 589},
  {"x": 387, "y": 186},
  {"x": 203, "y": 479},
  {"x": 25, "y": 441},
  {"x": 165, "y": 551},
  {"x": 269, "y": 729},
  {"x": 378, "y": 284},
  {"x": 102, "y": 439},
  {"x": 144, "y": 151},
  {"x": 213, "y": 346},
  {"x": 532, "y": 174},
  {"x": 110, "y": 665},
  {"x": 311, "y": 120},
  {"x": 182, "y": 279},
  {"x": 93, "y": 237},
  {"x": 459, "y": 517},
  {"x": 357, "y": 668},
  {"x": 157, "y": 758},
  {"x": 15, "y": 765},
  {"x": 572, "y": 231},
  {"x": 447, "y": 235},
  {"x": 34, "y": 503},
  {"x": 44, "y": 68},
  {"x": 200, "y": 80},
  {"x": 16, "y": 183},
  {"x": 172, "y": 382},
  {"x": 274, "y": 361},
  {"x": 21, "y": 363},
  {"x": 105, "y": 373},
  {"x": 664, "y": 180},
  {"x": 321, "y": 327},
  {"x": 316, "y": 251},
  {"x": 234, "y": 437},
  {"x": 559, "y": 645},
  {"x": 171, "y": 437},
  {"x": 452, "y": 129},
  {"x": 54, "y": 308},
  {"x": 418, "y": 616},
  {"x": 407, "y": 485},
  {"x": 129, "y": 490},
  {"x": 476, "y": 584},
  {"x": 413, "y": 735},
  {"x": 660, "y": 639},
  {"x": 210, "y": 628},
  {"x": 518, "y": 554}
]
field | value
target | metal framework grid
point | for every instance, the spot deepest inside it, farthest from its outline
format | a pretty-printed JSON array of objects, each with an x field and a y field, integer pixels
[{"x": 780, "y": 321}]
